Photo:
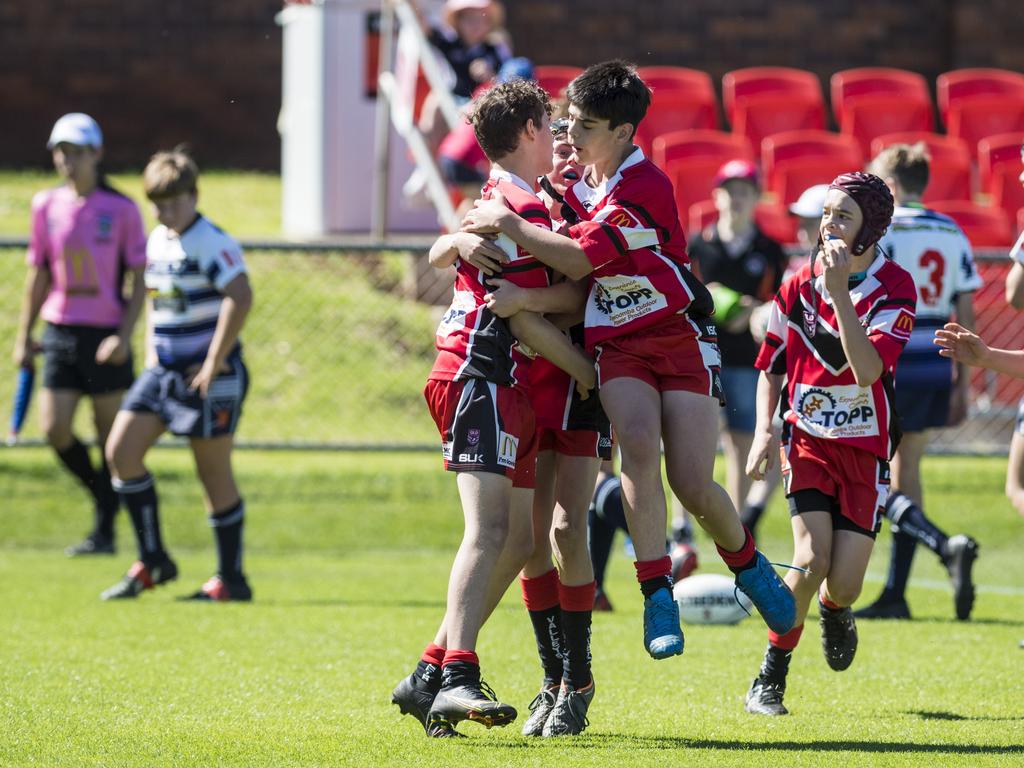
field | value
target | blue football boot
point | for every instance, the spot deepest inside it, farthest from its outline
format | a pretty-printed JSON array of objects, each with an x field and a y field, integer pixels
[
  {"x": 769, "y": 594},
  {"x": 663, "y": 636}
]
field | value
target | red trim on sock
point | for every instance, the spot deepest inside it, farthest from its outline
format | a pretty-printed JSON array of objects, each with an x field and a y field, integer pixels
[
  {"x": 540, "y": 593},
  {"x": 433, "y": 654},
  {"x": 788, "y": 641},
  {"x": 745, "y": 554},
  {"x": 454, "y": 654},
  {"x": 579, "y": 598},
  {"x": 652, "y": 569},
  {"x": 828, "y": 603}
]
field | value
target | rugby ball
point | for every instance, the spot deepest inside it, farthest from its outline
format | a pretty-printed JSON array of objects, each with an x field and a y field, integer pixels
[{"x": 710, "y": 598}]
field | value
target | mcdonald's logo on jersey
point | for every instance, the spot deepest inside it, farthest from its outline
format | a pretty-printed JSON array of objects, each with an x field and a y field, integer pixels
[
  {"x": 903, "y": 325},
  {"x": 620, "y": 219}
]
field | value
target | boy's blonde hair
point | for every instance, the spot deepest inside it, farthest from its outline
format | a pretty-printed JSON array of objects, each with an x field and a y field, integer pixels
[
  {"x": 170, "y": 173},
  {"x": 907, "y": 164}
]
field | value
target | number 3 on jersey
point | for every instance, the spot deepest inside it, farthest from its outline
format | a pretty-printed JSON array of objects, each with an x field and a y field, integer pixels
[{"x": 933, "y": 268}]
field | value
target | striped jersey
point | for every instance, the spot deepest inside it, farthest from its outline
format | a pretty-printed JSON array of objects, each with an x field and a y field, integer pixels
[
  {"x": 629, "y": 230},
  {"x": 185, "y": 277},
  {"x": 87, "y": 244},
  {"x": 937, "y": 254},
  {"x": 472, "y": 341},
  {"x": 822, "y": 397}
]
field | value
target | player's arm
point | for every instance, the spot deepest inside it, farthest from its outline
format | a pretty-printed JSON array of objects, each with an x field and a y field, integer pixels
[
  {"x": 477, "y": 250},
  {"x": 562, "y": 298},
  {"x": 560, "y": 253},
  {"x": 37, "y": 287},
  {"x": 115, "y": 348},
  {"x": 1015, "y": 286},
  {"x": 550, "y": 343},
  {"x": 865, "y": 362},
  {"x": 964, "y": 346},
  {"x": 233, "y": 311},
  {"x": 764, "y": 450}
]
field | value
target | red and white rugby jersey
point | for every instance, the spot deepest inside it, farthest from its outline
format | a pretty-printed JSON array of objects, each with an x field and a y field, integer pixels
[
  {"x": 472, "y": 341},
  {"x": 822, "y": 397},
  {"x": 629, "y": 229}
]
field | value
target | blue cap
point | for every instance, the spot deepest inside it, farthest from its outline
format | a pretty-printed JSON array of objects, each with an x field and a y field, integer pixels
[{"x": 519, "y": 67}]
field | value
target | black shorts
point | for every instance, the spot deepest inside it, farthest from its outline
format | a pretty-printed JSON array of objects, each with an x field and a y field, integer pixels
[
  {"x": 922, "y": 408},
  {"x": 163, "y": 391},
  {"x": 69, "y": 361},
  {"x": 813, "y": 500}
]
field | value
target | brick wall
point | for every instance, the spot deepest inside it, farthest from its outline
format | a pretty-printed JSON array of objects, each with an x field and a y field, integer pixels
[{"x": 157, "y": 72}]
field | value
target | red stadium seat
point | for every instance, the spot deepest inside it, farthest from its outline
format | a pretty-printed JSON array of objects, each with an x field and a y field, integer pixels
[
  {"x": 985, "y": 227},
  {"x": 959, "y": 84},
  {"x": 1000, "y": 165},
  {"x": 760, "y": 101},
  {"x": 949, "y": 173},
  {"x": 869, "y": 116},
  {"x": 978, "y": 117},
  {"x": 877, "y": 81},
  {"x": 673, "y": 111},
  {"x": 774, "y": 220},
  {"x": 795, "y": 160},
  {"x": 554, "y": 79},
  {"x": 692, "y": 158}
]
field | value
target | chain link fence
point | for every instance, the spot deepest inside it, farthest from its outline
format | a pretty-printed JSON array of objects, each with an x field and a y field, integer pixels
[{"x": 339, "y": 344}]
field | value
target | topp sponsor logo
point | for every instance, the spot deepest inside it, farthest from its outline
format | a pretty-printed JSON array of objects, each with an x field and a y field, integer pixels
[{"x": 839, "y": 411}]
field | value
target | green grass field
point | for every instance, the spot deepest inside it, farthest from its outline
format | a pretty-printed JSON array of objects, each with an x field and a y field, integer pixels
[{"x": 348, "y": 555}]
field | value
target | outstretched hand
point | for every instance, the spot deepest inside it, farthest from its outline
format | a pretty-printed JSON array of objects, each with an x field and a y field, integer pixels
[
  {"x": 960, "y": 344},
  {"x": 486, "y": 216},
  {"x": 764, "y": 452}
]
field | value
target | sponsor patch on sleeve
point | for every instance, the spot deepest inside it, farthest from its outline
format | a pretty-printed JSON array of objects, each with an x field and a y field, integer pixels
[{"x": 902, "y": 325}]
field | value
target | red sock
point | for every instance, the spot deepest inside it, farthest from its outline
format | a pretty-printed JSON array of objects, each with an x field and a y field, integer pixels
[
  {"x": 579, "y": 598},
  {"x": 741, "y": 558},
  {"x": 540, "y": 593},
  {"x": 433, "y": 654},
  {"x": 828, "y": 603},
  {"x": 653, "y": 569},
  {"x": 454, "y": 654},
  {"x": 788, "y": 641}
]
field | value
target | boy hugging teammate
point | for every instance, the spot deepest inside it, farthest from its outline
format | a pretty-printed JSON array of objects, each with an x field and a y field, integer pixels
[{"x": 477, "y": 395}]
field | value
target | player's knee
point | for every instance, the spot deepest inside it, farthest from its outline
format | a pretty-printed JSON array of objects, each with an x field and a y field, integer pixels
[
  {"x": 58, "y": 435},
  {"x": 815, "y": 563},
  {"x": 640, "y": 441},
  {"x": 568, "y": 536},
  {"x": 843, "y": 594}
]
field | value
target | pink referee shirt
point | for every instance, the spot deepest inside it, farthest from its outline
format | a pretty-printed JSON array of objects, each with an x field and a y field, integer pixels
[{"x": 87, "y": 244}]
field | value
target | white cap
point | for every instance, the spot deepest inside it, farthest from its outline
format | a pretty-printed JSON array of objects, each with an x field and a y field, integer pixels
[
  {"x": 811, "y": 202},
  {"x": 76, "y": 128}
]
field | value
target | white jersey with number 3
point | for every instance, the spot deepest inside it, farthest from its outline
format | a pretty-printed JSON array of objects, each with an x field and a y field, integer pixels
[{"x": 937, "y": 254}]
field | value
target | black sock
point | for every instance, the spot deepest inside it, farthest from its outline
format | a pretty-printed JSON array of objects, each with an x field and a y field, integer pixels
[
  {"x": 606, "y": 517},
  {"x": 911, "y": 519},
  {"x": 547, "y": 629},
  {"x": 750, "y": 516},
  {"x": 650, "y": 586},
  {"x": 106, "y": 502},
  {"x": 429, "y": 674},
  {"x": 76, "y": 458},
  {"x": 900, "y": 559},
  {"x": 139, "y": 498},
  {"x": 576, "y": 630},
  {"x": 775, "y": 666},
  {"x": 227, "y": 528}
]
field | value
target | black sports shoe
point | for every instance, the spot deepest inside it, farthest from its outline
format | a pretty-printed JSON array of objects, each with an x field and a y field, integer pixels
[
  {"x": 540, "y": 709},
  {"x": 765, "y": 698},
  {"x": 569, "y": 716},
  {"x": 838, "y": 636},
  {"x": 884, "y": 608},
  {"x": 961, "y": 552},
  {"x": 415, "y": 694},
  {"x": 218, "y": 590},
  {"x": 464, "y": 696},
  {"x": 141, "y": 577},
  {"x": 93, "y": 544}
]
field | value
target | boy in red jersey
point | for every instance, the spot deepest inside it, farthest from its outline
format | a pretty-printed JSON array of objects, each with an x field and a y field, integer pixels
[
  {"x": 477, "y": 394},
  {"x": 835, "y": 333},
  {"x": 657, "y": 364}
]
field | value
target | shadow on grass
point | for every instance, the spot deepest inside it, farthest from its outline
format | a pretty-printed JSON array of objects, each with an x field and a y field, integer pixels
[
  {"x": 346, "y": 603},
  {"x": 936, "y": 620},
  {"x": 925, "y": 715},
  {"x": 618, "y": 741}
]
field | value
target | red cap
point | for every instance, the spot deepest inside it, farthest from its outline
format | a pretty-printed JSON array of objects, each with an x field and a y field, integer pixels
[{"x": 744, "y": 170}]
